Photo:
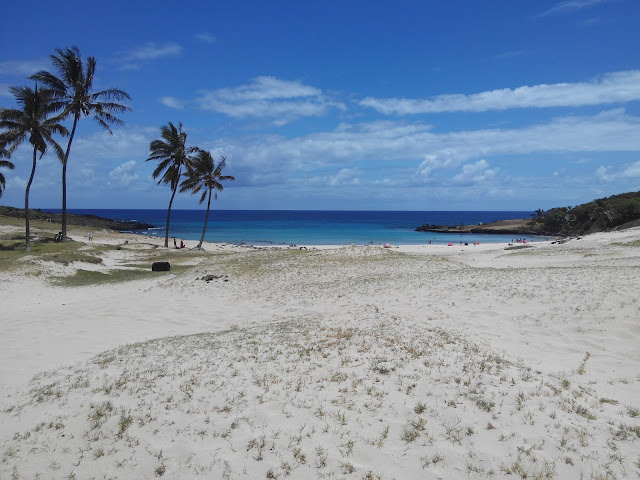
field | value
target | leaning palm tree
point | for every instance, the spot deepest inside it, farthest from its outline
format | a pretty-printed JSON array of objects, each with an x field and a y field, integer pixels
[
  {"x": 72, "y": 89},
  {"x": 203, "y": 174},
  {"x": 4, "y": 164},
  {"x": 173, "y": 156},
  {"x": 33, "y": 124}
]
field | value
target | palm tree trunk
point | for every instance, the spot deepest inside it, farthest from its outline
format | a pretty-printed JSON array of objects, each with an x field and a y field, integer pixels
[
  {"x": 175, "y": 189},
  {"x": 166, "y": 234},
  {"x": 26, "y": 201},
  {"x": 206, "y": 220},
  {"x": 64, "y": 180}
]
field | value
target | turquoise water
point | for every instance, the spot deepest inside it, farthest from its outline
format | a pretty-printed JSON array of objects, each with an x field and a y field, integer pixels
[{"x": 285, "y": 227}]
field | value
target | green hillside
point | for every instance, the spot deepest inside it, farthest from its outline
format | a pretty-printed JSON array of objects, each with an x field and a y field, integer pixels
[{"x": 608, "y": 213}]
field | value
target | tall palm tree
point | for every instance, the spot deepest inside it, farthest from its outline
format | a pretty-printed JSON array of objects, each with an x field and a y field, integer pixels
[
  {"x": 4, "y": 164},
  {"x": 203, "y": 174},
  {"x": 72, "y": 89},
  {"x": 32, "y": 123},
  {"x": 173, "y": 155}
]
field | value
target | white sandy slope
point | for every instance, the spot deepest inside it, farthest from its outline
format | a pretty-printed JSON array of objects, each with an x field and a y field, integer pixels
[{"x": 356, "y": 362}]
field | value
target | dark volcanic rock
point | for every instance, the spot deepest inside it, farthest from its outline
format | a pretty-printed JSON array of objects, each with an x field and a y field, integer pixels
[{"x": 161, "y": 267}]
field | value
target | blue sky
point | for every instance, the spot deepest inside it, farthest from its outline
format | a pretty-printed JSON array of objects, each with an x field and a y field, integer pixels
[{"x": 359, "y": 105}]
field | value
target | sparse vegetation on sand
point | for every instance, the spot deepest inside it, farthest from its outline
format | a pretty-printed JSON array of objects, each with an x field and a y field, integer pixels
[
  {"x": 85, "y": 261},
  {"x": 307, "y": 398},
  {"x": 355, "y": 362}
]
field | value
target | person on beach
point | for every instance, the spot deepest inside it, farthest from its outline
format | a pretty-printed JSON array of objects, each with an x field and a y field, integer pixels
[
  {"x": 90, "y": 236},
  {"x": 181, "y": 244},
  {"x": 175, "y": 245}
]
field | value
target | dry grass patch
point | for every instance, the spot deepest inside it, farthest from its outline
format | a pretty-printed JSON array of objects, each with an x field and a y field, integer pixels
[{"x": 81, "y": 277}]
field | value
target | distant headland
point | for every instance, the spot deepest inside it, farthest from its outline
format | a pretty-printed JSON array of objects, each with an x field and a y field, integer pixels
[
  {"x": 92, "y": 221},
  {"x": 608, "y": 213},
  {"x": 520, "y": 226}
]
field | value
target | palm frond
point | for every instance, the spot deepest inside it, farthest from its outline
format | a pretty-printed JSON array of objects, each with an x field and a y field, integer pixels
[
  {"x": 4, "y": 164},
  {"x": 32, "y": 123},
  {"x": 204, "y": 174},
  {"x": 71, "y": 89},
  {"x": 15, "y": 139},
  {"x": 110, "y": 94},
  {"x": 55, "y": 146},
  {"x": 51, "y": 81},
  {"x": 106, "y": 120},
  {"x": 89, "y": 74},
  {"x": 10, "y": 116}
]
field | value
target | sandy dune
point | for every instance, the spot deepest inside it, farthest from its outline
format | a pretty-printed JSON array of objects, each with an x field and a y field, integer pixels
[{"x": 353, "y": 362}]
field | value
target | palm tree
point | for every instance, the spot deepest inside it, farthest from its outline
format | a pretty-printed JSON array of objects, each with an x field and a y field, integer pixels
[
  {"x": 538, "y": 215},
  {"x": 32, "y": 123},
  {"x": 72, "y": 89},
  {"x": 172, "y": 154},
  {"x": 204, "y": 175},
  {"x": 602, "y": 213},
  {"x": 4, "y": 164}
]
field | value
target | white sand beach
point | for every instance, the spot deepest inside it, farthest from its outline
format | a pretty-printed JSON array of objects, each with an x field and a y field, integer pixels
[{"x": 355, "y": 362}]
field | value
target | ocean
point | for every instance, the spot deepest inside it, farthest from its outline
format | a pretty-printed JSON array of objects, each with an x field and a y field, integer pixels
[{"x": 310, "y": 227}]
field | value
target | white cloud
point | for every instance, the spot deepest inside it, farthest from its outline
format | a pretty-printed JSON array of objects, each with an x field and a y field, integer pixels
[
  {"x": 124, "y": 174},
  {"x": 616, "y": 87},
  {"x": 509, "y": 54},
  {"x": 632, "y": 171},
  {"x": 570, "y": 6},
  {"x": 124, "y": 143},
  {"x": 268, "y": 97},
  {"x": 346, "y": 176},
  {"x": 610, "y": 174},
  {"x": 151, "y": 51},
  {"x": 172, "y": 102},
  {"x": 23, "y": 68},
  {"x": 389, "y": 143},
  {"x": 83, "y": 175},
  {"x": 476, "y": 173},
  {"x": 205, "y": 37},
  {"x": 602, "y": 174},
  {"x": 267, "y": 88},
  {"x": 131, "y": 59},
  {"x": 15, "y": 183},
  {"x": 433, "y": 162}
]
